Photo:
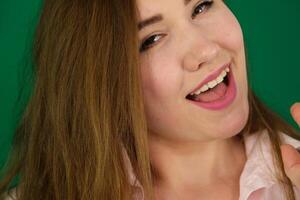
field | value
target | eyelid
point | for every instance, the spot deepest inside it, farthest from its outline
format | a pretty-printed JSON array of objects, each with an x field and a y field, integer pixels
[
  {"x": 206, "y": 3},
  {"x": 160, "y": 35}
]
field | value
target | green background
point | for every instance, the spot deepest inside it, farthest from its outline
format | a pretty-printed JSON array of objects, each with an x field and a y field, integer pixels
[{"x": 271, "y": 31}]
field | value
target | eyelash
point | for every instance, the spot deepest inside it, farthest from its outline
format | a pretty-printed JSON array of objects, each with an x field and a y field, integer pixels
[{"x": 206, "y": 4}]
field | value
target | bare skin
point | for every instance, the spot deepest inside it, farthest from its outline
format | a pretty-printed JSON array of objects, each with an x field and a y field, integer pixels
[
  {"x": 207, "y": 171},
  {"x": 194, "y": 151}
]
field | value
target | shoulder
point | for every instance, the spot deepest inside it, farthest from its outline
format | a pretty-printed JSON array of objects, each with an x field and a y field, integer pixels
[
  {"x": 257, "y": 177},
  {"x": 262, "y": 138},
  {"x": 286, "y": 139}
]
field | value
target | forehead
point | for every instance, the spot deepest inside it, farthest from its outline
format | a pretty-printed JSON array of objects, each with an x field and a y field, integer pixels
[{"x": 151, "y": 7}]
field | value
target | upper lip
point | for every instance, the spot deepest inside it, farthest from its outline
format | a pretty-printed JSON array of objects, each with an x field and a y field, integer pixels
[{"x": 211, "y": 77}]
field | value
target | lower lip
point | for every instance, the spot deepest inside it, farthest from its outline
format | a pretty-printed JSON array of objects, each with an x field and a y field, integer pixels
[{"x": 224, "y": 101}]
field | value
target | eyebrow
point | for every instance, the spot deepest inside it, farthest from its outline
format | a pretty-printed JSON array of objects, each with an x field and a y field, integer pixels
[{"x": 154, "y": 19}]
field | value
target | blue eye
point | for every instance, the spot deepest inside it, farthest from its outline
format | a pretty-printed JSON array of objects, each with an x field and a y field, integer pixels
[{"x": 202, "y": 7}]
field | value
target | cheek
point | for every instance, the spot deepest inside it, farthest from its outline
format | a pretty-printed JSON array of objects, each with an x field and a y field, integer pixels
[
  {"x": 231, "y": 35},
  {"x": 160, "y": 78},
  {"x": 161, "y": 82},
  {"x": 228, "y": 34}
]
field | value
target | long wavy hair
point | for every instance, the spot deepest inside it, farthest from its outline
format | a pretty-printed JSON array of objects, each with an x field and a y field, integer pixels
[{"x": 87, "y": 105}]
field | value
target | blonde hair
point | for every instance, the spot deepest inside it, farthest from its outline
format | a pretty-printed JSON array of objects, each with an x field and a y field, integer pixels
[{"x": 87, "y": 103}]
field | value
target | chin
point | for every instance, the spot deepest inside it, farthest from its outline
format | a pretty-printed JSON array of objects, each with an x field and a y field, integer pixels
[{"x": 235, "y": 123}]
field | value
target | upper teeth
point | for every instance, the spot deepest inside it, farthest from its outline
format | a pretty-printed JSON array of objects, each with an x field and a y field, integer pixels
[{"x": 213, "y": 83}]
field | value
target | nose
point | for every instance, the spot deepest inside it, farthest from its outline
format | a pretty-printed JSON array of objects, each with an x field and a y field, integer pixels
[{"x": 200, "y": 48}]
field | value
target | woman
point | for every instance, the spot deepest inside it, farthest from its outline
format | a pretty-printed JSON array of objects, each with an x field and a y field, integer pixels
[{"x": 146, "y": 100}]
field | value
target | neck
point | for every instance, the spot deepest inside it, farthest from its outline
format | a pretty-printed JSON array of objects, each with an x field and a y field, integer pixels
[{"x": 196, "y": 164}]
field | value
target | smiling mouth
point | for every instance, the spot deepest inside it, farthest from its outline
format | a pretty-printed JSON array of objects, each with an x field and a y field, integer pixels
[{"x": 214, "y": 88}]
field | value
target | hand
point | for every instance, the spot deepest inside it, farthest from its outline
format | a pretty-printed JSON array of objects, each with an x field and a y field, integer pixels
[
  {"x": 295, "y": 111},
  {"x": 290, "y": 156}
]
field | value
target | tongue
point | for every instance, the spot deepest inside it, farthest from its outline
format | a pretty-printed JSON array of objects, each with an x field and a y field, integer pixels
[{"x": 212, "y": 94}]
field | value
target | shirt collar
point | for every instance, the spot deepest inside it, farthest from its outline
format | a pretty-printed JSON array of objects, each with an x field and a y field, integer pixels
[
  {"x": 132, "y": 179},
  {"x": 259, "y": 169},
  {"x": 257, "y": 173}
]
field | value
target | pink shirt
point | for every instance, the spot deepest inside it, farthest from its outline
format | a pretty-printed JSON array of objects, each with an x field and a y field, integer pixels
[{"x": 256, "y": 181}]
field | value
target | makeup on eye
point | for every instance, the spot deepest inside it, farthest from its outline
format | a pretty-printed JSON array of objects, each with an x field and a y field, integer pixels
[
  {"x": 201, "y": 7},
  {"x": 150, "y": 41}
]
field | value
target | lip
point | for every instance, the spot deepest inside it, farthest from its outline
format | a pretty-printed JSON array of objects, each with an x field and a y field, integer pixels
[
  {"x": 224, "y": 101},
  {"x": 211, "y": 77}
]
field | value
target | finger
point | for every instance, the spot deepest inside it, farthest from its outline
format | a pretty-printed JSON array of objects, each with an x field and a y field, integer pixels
[
  {"x": 295, "y": 111},
  {"x": 291, "y": 161}
]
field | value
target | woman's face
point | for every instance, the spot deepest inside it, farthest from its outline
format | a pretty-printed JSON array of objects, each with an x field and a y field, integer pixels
[{"x": 181, "y": 46}]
